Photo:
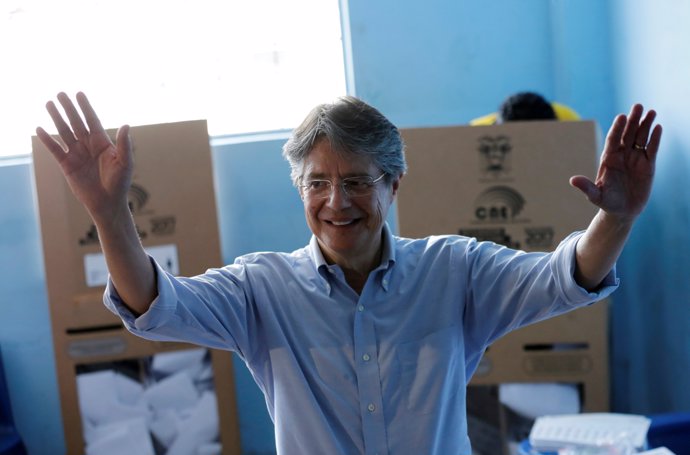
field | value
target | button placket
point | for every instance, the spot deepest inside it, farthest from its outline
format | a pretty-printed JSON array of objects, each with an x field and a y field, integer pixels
[{"x": 368, "y": 381}]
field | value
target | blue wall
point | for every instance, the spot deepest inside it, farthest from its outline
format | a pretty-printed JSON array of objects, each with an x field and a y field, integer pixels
[
  {"x": 651, "y": 318},
  {"x": 446, "y": 61},
  {"x": 436, "y": 62},
  {"x": 25, "y": 335}
]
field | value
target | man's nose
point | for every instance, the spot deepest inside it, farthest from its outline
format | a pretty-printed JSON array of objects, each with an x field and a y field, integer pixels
[{"x": 338, "y": 196}]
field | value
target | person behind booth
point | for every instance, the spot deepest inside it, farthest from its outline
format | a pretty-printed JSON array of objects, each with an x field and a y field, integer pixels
[
  {"x": 523, "y": 106},
  {"x": 361, "y": 341}
]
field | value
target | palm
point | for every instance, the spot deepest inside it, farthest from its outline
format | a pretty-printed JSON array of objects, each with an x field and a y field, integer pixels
[
  {"x": 98, "y": 172},
  {"x": 626, "y": 171}
]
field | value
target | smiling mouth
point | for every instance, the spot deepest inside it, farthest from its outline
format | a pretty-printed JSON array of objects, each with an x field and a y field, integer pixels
[{"x": 342, "y": 223}]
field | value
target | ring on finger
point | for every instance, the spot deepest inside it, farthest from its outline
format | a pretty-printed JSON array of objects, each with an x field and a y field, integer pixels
[{"x": 639, "y": 147}]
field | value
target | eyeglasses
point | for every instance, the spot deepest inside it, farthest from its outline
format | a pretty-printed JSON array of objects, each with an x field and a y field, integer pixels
[{"x": 352, "y": 186}]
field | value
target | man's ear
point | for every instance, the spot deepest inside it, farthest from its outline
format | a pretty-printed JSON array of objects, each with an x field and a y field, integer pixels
[{"x": 395, "y": 185}]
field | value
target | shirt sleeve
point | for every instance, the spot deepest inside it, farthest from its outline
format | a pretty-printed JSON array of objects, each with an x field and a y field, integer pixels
[
  {"x": 563, "y": 264},
  {"x": 508, "y": 289},
  {"x": 212, "y": 310},
  {"x": 160, "y": 310}
]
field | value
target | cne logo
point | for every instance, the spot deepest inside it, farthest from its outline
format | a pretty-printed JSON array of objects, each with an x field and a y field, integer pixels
[{"x": 498, "y": 204}]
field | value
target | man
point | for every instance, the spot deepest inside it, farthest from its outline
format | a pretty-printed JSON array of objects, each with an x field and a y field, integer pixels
[{"x": 362, "y": 342}]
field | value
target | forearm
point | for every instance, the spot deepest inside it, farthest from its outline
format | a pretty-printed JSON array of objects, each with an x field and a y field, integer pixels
[
  {"x": 599, "y": 248},
  {"x": 128, "y": 263}
]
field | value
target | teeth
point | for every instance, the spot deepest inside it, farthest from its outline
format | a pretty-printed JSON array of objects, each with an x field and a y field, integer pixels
[{"x": 341, "y": 223}]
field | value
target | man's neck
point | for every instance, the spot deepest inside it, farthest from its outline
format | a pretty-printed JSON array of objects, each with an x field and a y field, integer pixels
[{"x": 355, "y": 268}]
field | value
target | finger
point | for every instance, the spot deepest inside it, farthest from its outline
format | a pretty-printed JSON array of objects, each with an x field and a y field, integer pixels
[
  {"x": 63, "y": 129},
  {"x": 632, "y": 125},
  {"x": 653, "y": 144},
  {"x": 73, "y": 115},
  {"x": 53, "y": 146},
  {"x": 89, "y": 114},
  {"x": 642, "y": 135},
  {"x": 124, "y": 142},
  {"x": 590, "y": 190},
  {"x": 615, "y": 134}
]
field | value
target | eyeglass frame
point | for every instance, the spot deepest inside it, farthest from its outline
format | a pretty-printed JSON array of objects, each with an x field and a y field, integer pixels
[{"x": 342, "y": 183}]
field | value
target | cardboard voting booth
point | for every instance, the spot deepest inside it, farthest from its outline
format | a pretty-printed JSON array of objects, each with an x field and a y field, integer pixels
[
  {"x": 509, "y": 184},
  {"x": 166, "y": 386}
]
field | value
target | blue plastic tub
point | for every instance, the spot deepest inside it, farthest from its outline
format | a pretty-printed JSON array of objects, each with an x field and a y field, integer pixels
[{"x": 671, "y": 430}]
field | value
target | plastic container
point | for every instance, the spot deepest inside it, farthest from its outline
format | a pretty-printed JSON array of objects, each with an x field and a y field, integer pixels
[{"x": 525, "y": 448}]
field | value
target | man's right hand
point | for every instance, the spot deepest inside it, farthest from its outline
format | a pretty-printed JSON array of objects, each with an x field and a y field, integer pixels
[{"x": 98, "y": 172}]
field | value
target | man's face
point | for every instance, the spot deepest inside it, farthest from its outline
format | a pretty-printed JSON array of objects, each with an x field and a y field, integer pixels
[{"x": 348, "y": 228}]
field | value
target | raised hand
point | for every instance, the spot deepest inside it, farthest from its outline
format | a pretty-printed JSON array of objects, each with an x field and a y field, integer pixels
[
  {"x": 626, "y": 170},
  {"x": 98, "y": 172}
]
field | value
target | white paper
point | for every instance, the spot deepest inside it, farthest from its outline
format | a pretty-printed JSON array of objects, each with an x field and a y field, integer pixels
[
  {"x": 130, "y": 437},
  {"x": 534, "y": 400},
  {"x": 199, "y": 429},
  {"x": 168, "y": 363},
  {"x": 106, "y": 397},
  {"x": 657, "y": 451},
  {"x": 96, "y": 270},
  {"x": 165, "y": 426},
  {"x": 176, "y": 391}
]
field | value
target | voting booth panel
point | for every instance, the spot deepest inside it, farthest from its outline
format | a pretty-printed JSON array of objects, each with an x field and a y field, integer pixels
[
  {"x": 508, "y": 184},
  {"x": 172, "y": 200}
]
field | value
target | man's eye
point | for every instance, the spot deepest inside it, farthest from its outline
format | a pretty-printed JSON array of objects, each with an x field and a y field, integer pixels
[
  {"x": 357, "y": 184},
  {"x": 317, "y": 184}
]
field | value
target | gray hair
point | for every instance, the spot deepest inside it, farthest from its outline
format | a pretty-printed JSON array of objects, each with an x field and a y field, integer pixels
[{"x": 352, "y": 127}]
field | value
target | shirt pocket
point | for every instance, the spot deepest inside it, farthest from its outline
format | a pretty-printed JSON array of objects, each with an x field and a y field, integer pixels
[{"x": 430, "y": 373}]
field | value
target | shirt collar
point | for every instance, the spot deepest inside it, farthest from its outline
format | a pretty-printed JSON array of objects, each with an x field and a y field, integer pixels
[{"x": 387, "y": 257}]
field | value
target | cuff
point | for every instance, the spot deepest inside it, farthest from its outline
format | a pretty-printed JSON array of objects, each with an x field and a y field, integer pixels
[
  {"x": 564, "y": 264},
  {"x": 162, "y": 306}
]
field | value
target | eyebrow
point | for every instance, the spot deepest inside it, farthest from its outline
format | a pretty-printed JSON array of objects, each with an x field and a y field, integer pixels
[{"x": 324, "y": 176}]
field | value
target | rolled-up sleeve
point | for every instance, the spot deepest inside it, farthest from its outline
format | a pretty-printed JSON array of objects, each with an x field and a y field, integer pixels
[
  {"x": 162, "y": 308},
  {"x": 563, "y": 264}
]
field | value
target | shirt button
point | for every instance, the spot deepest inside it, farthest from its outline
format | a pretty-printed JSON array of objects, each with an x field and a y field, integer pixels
[
  {"x": 360, "y": 308},
  {"x": 371, "y": 407},
  {"x": 366, "y": 357}
]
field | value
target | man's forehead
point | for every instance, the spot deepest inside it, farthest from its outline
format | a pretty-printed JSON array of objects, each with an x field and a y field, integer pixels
[{"x": 326, "y": 161}]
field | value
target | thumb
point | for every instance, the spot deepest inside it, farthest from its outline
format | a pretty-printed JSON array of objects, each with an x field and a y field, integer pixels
[{"x": 590, "y": 190}]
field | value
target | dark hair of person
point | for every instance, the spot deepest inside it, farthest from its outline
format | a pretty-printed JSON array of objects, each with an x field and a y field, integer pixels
[{"x": 525, "y": 106}]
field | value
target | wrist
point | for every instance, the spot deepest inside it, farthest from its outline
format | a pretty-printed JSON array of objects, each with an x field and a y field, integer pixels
[
  {"x": 112, "y": 216},
  {"x": 614, "y": 221}
]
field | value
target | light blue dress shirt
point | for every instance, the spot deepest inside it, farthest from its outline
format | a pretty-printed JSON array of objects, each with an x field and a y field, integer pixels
[{"x": 383, "y": 372}]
